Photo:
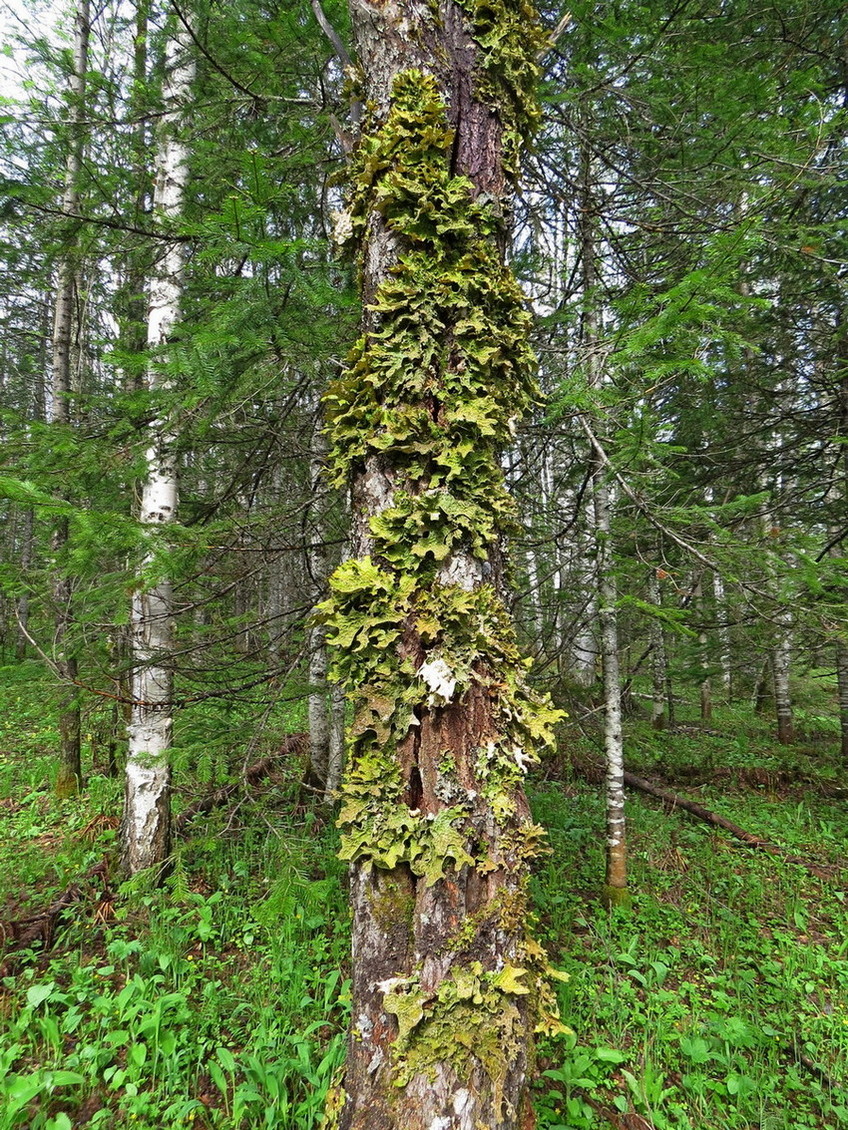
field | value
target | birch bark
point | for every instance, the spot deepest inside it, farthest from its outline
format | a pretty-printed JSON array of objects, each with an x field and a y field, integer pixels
[
  {"x": 147, "y": 812},
  {"x": 781, "y": 666},
  {"x": 615, "y": 887}
]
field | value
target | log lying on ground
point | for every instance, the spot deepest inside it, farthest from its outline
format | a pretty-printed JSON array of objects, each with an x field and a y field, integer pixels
[
  {"x": 293, "y": 746},
  {"x": 40, "y": 929},
  {"x": 674, "y": 800}
]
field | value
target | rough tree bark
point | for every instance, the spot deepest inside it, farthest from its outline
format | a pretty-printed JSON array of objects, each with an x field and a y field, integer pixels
[
  {"x": 448, "y": 986},
  {"x": 147, "y": 805},
  {"x": 59, "y": 412}
]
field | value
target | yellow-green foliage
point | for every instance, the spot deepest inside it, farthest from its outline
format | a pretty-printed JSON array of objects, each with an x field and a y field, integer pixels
[{"x": 433, "y": 389}]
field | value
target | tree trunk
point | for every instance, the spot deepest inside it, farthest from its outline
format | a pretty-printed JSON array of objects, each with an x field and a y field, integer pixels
[
  {"x": 615, "y": 889},
  {"x": 70, "y": 770},
  {"x": 781, "y": 662},
  {"x": 335, "y": 759},
  {"x": 659, "y": 663},
  {"x": 722, "y": 613},
  {"x": 760, "y": 694},
  {"x": 842, "y": 682},
  {"x": 319, "y": 707},
  {"x": 706, "y": 694},
  {"x": 147, "y": 807},
  {"x": 448, "y": 987},
  {"x": 584, "y": 649}
]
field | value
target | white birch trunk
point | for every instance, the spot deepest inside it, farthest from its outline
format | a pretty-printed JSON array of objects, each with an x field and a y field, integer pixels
[
  {"x": 146, "y": 828},
  {"x": 723, "y": 636},
  {"x": 318, "y": 704},
  {"x": 781, "y": 664},
  {"x": 616, "y": 878},
  {"x": 584, "y": 648},
  {"x": 335, "y": 762},
  {"x": 615, "y": 888}
]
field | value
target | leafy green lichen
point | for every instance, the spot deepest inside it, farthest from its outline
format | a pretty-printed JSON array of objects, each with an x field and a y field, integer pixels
[
  {"x": 471, "y": 1015},
  {"x": 433, "y": 391},
  {"x": 512, "y": 39}
]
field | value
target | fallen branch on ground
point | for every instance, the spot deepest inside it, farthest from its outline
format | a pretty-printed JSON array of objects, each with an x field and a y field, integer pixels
[
  {"x": 293, "y": 745},
  {"x": 595, "y": 772},
  {"x": 40, "y": 928}
]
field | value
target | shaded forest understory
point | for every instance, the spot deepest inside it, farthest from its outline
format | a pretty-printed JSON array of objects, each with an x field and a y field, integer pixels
[{"x": 222, "y": 1000}]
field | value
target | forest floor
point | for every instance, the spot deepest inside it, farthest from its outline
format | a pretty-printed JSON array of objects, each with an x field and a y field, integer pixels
[{"x": 719, "y": 1002}]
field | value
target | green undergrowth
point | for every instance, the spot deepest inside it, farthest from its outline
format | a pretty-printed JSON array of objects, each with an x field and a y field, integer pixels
[
  {"x": 46, "y": 843},
  {"x": 220, "y": 1001},
  {"x": 719, "y": 1002}
]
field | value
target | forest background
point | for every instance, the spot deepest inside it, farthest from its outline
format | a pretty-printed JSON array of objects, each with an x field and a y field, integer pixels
[{"x": 678, "y": 558}]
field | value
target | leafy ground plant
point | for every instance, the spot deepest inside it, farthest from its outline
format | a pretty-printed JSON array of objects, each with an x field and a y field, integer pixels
[
  {"x": 221, "y": 1000},
  {"x": 721, "y": 1001}
]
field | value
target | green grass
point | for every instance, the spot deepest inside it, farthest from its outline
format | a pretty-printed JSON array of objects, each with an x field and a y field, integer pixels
[{"x": 720, "y": 1002}]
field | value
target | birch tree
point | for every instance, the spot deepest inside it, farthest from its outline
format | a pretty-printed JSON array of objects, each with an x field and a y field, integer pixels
[
  {"x": 448, "y": 986},
  {"x": 615, "y": 887},
  {"x": 146, "y": 826}
]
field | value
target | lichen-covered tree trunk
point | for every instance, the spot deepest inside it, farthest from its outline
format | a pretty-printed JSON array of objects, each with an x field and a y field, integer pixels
[
  {"x": 147, "y": 806},
  {"x": 448, "y": 985},
  {"x": 59, "y": 413}
]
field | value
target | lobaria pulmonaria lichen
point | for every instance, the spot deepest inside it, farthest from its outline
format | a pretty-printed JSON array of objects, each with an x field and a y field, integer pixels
[{"x": 431, "y": 394}]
